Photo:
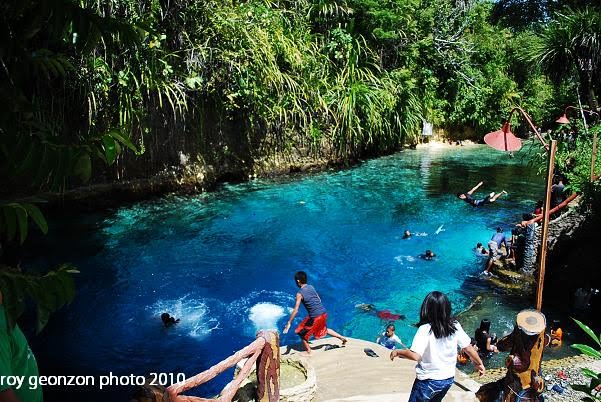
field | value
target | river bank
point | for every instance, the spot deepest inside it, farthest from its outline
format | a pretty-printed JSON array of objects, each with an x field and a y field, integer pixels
[{"x": 195, "y": 176}]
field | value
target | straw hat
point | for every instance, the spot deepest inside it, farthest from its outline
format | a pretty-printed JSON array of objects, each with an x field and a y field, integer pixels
[{"x": 531, "y": 322}]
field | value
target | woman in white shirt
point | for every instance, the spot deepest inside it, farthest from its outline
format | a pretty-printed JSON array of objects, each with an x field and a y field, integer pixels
[{"x": 434, "y": 348}]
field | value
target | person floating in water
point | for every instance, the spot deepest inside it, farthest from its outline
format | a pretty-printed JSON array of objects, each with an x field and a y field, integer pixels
[
  {"x": 315, "y": 323},
  {"x": 389, "y": 339},
  {"x": 480, "y": 250},
  {"x": 382, "y": 314},
  {"x": 407, "y": 234},
  {"x": 467, "y": 197},
  {"x": 168, "y": 320},
  {"x": 428, "y": 255}
]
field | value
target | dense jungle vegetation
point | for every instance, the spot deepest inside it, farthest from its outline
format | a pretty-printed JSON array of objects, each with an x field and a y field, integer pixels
[{"x": 89, "y": 88}]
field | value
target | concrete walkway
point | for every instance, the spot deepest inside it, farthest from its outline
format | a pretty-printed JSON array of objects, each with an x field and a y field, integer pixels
[{"x": 348, "y": 374}]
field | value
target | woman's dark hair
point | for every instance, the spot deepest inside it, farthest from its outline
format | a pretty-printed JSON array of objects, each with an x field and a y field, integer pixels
[
  {"x": 485, "y": 325},
  {"x": 436, "y": 311}
]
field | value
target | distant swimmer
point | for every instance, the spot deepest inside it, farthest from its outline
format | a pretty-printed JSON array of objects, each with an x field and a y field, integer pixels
[
  {"x": 467, "y": 197},
  {"x": 383, "y": 314},
  {"x": 407, "y": 234},
  {"x": 428, "y": 255},
  {"x": 387, "y": 315},
  {"x": 365, "y": 307},
  {"x": 440, "y": 229},
  {"x": 168, "y": 320}
]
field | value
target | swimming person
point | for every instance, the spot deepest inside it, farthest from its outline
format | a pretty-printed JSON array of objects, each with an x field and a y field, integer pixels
[
  {"x": 168, "y": 320},
  {"x": 407, "y": 234},
  {"x": 467, "y": 197},
  {"x": 389, "y": 339},
  {"x": 434, "y": 348},
  {"x": 480, "y": 250},
  {"x": 315, "y": 323},
  {"x": 428, "y": 255}
]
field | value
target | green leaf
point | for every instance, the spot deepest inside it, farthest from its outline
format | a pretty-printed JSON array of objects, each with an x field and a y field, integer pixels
[
  {"x": 110, "y": 152},
  {"x": 11, "y": 221},
  {"x": 590, "y": 373},
  {"x": 23, "y": 223},
  {"x": 37, "y": 216},
  {"x": 123, "y": 139},
  {"x": 83, "y": 167},
  {"x": 587, "y": 350},
  {"x": 589, "y": 331}
]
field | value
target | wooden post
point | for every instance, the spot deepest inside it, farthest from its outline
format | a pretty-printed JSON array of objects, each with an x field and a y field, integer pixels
[
  {"x": 593, "y": 157},
  {"x": 545, "y": 228},
  {"x": 523, "y": 380},
  {"x": 268, "y": 368}
]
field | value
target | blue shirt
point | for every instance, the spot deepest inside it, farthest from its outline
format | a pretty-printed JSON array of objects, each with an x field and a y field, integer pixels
[
  {"x": 311, "y": 301},
  {"x": 500, "y": 239}
]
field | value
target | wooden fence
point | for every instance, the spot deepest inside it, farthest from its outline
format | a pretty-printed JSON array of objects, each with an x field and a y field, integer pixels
[{"x": 264, "y": 351}]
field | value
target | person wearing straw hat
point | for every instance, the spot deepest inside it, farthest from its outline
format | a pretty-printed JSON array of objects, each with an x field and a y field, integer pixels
[{"x": 523, "y": 380}]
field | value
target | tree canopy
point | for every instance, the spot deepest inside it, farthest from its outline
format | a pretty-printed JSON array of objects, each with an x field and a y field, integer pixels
[{"x": 85, "y": 86}]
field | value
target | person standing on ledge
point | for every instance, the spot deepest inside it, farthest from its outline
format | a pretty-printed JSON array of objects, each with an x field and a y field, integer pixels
[
  {"x": 434, "y": 348},
  {"x": 315, "y": 323},
  {"x": 467, "y": 197},
  {"x": 16, "y": 360}
]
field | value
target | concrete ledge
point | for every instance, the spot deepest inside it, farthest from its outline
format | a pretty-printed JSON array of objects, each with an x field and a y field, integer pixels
[{"x": 348, "y": 374}]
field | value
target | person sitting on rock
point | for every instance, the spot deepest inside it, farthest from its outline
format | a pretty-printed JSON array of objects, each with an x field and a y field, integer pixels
[{"x": 486, "y": 343}]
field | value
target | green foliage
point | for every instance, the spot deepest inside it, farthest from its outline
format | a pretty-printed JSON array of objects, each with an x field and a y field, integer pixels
[
  {"x": 569, "y": 47},
  {"x": 595, "y": 378},
  {"x": 49, "y": 292},
  {"x": 574, "y": 155}
]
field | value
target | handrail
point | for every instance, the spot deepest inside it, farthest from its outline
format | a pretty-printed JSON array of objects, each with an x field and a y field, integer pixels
[
  {"x": 552, "y": 211},
  {"x": 266, "y": 347}
]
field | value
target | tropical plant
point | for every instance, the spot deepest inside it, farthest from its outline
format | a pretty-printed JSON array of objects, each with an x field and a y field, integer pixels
[
  {"x": 592, "y": 388},
  {"x": 570, "y": 46}
]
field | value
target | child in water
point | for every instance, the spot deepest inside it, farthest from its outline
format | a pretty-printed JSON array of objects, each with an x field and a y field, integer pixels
[
  {"x": 168, "y": 320},
  {"x": 389, "y": 339},
  {"x": 434, "y": 348}
]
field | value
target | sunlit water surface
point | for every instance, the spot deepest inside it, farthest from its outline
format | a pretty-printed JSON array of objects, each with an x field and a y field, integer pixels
[{"x": 223, "y": 261}]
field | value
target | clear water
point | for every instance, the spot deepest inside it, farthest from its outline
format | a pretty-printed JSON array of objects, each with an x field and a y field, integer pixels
[{"x": 223, "y": 262}]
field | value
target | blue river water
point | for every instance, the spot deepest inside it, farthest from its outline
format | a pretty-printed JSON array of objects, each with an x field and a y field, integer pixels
[{"x": 223, "y": 261}]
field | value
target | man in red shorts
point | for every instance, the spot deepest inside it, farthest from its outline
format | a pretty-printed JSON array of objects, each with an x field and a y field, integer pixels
[{"x": 315, "y": 323}]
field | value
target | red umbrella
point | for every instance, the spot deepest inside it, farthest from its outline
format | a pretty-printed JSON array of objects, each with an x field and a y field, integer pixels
[{"x": 503, "y": 140}]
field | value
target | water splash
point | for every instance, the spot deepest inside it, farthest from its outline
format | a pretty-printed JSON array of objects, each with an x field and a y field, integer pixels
[
  {"x": 195, "y": 316},
  {"x": 266, "y": 315}
]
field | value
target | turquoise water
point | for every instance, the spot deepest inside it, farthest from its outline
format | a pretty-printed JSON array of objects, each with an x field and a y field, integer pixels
[{"x": 223, "y": 262}]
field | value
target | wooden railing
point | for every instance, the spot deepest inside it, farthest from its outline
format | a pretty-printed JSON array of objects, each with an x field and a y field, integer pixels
[
  {"x": 552, "y": 211},
  {"x": 263, "y": 351}
]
